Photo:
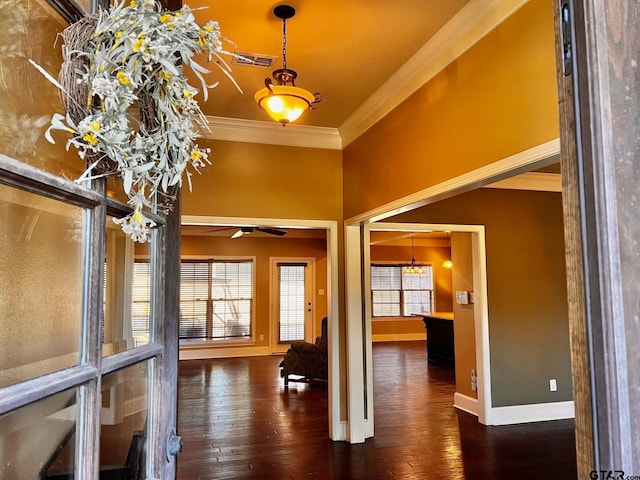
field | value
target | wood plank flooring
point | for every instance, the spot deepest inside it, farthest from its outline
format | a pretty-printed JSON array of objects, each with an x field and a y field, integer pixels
[{"x": 238, "y": 423}]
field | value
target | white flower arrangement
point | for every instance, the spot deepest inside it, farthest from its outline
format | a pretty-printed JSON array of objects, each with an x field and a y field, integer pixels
[{"x": 131, "y": 60}]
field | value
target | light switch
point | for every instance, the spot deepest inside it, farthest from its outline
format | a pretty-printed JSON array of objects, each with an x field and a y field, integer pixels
[{"x": 462, "y": 298}]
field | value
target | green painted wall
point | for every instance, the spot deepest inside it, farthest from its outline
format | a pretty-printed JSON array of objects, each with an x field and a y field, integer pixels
[{"x": 527, "y": 299}]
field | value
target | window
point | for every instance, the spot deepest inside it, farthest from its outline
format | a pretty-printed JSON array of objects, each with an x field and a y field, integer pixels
[
  {"x": 140, "y": 303},
  {"x": 395, "y": 293},
  {"x": 216, "y": 299}
]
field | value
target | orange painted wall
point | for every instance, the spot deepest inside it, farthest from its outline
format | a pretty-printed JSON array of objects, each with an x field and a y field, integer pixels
[
  {"x": 497, "y": 99},
  {"x": 272, "y": 181},
  {"x": 463, "y": 314}
]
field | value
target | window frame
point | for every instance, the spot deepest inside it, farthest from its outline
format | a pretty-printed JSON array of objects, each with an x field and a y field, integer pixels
[
  {"x": 401, "y": 265},
  {"x": 210, "y": 342},
  {"x": 87, "y": 375}
]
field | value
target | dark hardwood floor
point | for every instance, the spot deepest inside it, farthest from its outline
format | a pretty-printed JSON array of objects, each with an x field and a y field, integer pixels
[{"x": 238, "y": 423}]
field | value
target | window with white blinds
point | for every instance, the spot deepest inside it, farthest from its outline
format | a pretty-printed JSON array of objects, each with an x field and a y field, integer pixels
[
  {"x": 231, "y": 299},
  {"x": 194, "y": 300},
  {"x": 291, "y": 302},
  {"x": 216, "y": 299},
  {"x": 396, "y": 294},
  {"x": 141, "y": 301}
]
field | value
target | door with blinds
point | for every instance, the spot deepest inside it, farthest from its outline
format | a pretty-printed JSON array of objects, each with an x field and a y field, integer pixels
[{"x": 292, "y": 313}]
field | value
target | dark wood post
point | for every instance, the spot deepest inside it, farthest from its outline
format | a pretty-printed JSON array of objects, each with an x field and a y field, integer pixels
[{"x": 600, "y": 122}]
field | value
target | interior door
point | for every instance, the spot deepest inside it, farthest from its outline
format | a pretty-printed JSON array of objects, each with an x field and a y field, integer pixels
[
  {"x": 87, "y": 377},
  {"x": 292, "y": 312}
]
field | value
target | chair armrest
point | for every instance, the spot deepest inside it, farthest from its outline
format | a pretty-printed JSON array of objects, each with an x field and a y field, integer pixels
[{"x": 304, "y": 347}]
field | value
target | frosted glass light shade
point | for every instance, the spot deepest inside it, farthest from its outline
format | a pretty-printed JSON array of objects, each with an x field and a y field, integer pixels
[{"x": 284, "y": 103}]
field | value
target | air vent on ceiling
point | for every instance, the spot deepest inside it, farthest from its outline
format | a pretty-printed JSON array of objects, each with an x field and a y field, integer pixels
[{"x": 254, "y": 59}]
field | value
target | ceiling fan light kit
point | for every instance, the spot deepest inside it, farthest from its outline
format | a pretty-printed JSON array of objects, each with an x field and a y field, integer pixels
[{"x": 284, "y": 101}]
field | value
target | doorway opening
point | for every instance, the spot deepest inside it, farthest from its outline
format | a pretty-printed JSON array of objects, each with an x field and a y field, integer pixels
[
  {"x": 336, "y": 427},
  {"x": 357, "y": 231}
]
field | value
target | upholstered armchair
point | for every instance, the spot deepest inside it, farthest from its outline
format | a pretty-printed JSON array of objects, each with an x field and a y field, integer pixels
[{"x": 306, "y": 360}]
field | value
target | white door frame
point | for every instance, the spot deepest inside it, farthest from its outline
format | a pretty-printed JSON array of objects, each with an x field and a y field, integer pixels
[
  {"x": 337, "y": 429},
  {"x": 310, "y": 325},
  {"x": 360, "y": 386},
  {"x": 480, "y": 309}
]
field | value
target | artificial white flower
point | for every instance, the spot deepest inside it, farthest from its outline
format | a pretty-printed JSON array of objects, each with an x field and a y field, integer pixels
[{"x": 132, "y": 58}]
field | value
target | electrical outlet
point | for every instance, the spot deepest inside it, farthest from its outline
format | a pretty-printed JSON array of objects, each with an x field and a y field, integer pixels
[
  {"x": 553, "y": 386},
  {"x": 474, "y": 381},
  {"x": 261, "y": 338}
]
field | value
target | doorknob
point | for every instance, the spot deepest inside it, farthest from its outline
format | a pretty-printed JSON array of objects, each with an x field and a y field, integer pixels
[{"x": 174, "y": 444}]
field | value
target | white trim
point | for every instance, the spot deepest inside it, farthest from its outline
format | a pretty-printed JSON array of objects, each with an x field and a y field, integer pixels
[
  {"x": 222, "y": 352},
  {"x": 535, "y": 181},
  {"x": 481, "y": 316},
  {"x": 271, "y": 133},
  {"x": 337, "y": 431},
  {"x": 369, "y": 421},
  {"x": 356, "y": 342},
  {"x": 333, "y": 310},
  {"x": 465, "y": 403},
  {"x": 535, "y": 157},
  {"x": 397, "y": 337},
  {"x": 536, "y": 412},
  {"x": 468, "y": 26},
  {"x": 340, "y": 434}
]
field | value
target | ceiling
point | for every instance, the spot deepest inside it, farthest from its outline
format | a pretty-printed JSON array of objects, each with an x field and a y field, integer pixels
[{"x": 345, "y": 50}]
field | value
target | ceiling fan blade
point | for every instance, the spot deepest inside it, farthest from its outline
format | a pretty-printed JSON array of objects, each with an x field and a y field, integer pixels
[{"x": 272, "y": 231}]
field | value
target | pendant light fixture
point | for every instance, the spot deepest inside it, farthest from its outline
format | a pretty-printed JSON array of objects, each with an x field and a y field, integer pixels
[
  {"x": 283, "y": 101},
  {"x": 413, "y": 267},
  {"x": 448, "y": 263}
]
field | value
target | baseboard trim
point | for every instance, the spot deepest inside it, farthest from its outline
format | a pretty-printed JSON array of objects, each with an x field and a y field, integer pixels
[
  {"x": 537, "y": 412},
  {"x": 465, "y": 403},
  {"x": 397, "y": 337},
  {"x": 222, "y": 352},
  {"x": 340, "y": 433}
]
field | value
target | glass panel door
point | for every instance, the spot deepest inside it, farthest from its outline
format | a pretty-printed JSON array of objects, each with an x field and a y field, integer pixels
[
  {"x": 292, "y": 317},
  {"x": 80, "y": 367}
]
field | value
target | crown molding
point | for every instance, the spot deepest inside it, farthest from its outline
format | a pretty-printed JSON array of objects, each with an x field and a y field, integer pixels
[
  {"x": 537, "y": 181},
  {"x": 271, "y": 133},
  {"x": 467, "y": 27}
]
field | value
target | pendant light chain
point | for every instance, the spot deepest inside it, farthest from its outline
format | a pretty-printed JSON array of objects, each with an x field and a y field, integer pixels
[{"x": 284, "y": 43}]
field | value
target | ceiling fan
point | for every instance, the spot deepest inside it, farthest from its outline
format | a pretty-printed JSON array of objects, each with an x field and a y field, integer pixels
[
  {"x": 271, "y": 231},
  {"x": 240, "y": 231}
]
